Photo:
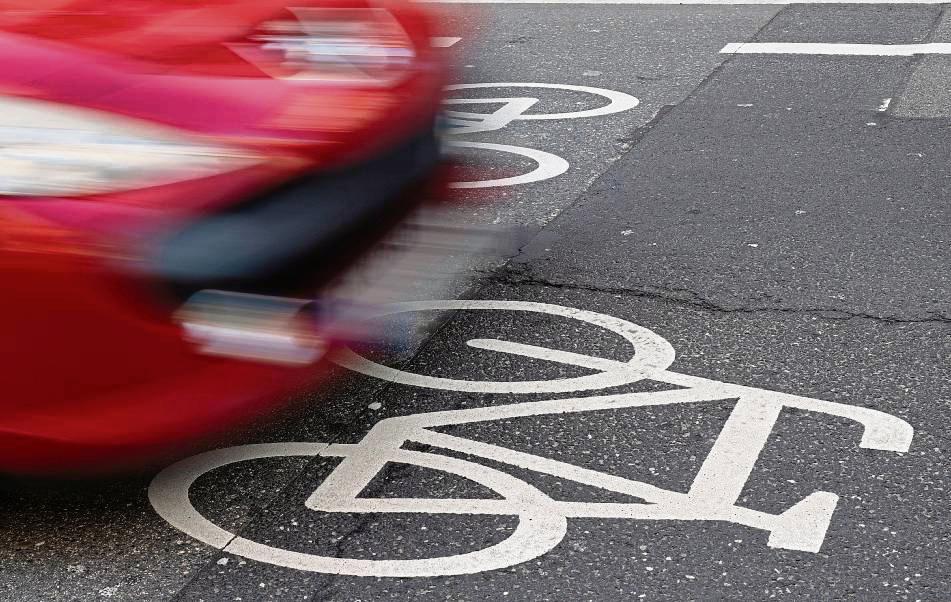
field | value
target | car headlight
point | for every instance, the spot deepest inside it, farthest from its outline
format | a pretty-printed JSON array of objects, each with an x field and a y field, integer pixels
[
  {"x": 351, "y": 45},
  {"x": 49, "y": 149}
]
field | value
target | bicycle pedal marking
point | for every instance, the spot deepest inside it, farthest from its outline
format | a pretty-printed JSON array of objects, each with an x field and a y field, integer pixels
[
  {"x": 512, "y": 109},
  {"x": 542, "y": 521}
]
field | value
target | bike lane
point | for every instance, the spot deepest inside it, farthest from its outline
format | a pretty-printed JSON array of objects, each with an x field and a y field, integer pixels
[
  {"x": 660, "y": 241},
  {"x": 781, "y": 232}
]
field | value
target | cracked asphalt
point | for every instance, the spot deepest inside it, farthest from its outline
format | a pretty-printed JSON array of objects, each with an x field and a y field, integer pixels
[{"x": 763, "y": 214}]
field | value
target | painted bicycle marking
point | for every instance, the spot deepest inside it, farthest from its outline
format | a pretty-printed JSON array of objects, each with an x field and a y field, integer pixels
[
  {"x": 512, "y": 109},
  {"x": 542, "y": 520}
]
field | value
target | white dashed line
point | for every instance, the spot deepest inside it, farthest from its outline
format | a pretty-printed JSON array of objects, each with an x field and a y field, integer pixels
[{"x": 836, "y": 49}]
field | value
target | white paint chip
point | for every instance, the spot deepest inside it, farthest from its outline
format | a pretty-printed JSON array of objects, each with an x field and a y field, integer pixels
[{"x": 443, "y": 42}]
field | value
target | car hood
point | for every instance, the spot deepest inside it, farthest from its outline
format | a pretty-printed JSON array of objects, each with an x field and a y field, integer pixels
[{"x": 173, "y": 33}]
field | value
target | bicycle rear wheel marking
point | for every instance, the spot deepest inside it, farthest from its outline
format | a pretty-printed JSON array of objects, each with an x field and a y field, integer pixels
[
  {"x": 537, "y": 532},
  {"x": 548, "y": 165}
]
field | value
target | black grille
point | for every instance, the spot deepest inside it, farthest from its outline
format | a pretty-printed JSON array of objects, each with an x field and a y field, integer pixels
[{"x": 301, "y": 234}]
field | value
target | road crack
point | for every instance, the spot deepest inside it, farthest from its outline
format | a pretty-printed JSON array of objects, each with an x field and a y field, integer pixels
[{"x": 519, "y": 276}]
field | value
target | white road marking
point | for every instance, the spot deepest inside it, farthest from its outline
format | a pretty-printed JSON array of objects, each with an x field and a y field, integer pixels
[
  {"x": 618, "y": 101},
  {"x": 511, "y": 109},
  {"x": 443, "y": 42},
  {"x": 652, "y": 352},
  {"x": 548, "y": 165},
  {"x": 836, "y": 49},
  {"x": 648, "y": 2},
  {"x": 542, "y": 521},
  {"x": 168, "y": 491}
]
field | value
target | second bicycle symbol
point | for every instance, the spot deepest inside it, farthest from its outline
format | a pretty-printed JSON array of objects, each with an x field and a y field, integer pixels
[
  {"x": 542, "y": 520},
  {"x": 510, "y": 108}
]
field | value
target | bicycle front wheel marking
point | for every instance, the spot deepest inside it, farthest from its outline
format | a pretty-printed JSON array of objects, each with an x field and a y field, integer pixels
[
  {"x": 617, "y": 101},
  {"x": 653, "y": 354}
]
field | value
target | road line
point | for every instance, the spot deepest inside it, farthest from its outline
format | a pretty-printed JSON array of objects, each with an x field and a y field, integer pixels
[
  {"x": 836, "y": 49},
  {"x": 648, "y": 2}
]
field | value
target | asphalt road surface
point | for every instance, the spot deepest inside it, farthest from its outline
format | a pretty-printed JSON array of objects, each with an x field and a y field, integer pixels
[{"x": 718, "y": 368}]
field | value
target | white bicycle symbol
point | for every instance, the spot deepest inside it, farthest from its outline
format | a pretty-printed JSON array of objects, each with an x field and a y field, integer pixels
[
  {"x": 512, "y": 109},
  {"x": 542, "y": 520}
]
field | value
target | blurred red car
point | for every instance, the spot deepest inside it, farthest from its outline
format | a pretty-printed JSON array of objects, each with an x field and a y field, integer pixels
[{"x": 170, "y": 173}]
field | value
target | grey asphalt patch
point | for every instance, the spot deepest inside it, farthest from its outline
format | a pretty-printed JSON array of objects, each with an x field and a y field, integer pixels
[
  {"x": 90, "y": 541},
  {"x": 777, "y": 186},
  {"x": 844, "y": 23},
  {"x": 942, "y": 30},
  {"x": 927, "y": 94}
]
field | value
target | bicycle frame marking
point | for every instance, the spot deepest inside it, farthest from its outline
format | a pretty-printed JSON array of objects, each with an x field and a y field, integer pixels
[
  {"x": 542, "y": 521},
  {"x": 512, "y": 109}
]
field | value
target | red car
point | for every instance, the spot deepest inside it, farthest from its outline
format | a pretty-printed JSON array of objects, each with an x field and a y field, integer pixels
[{"x": 173, "y": 175}]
